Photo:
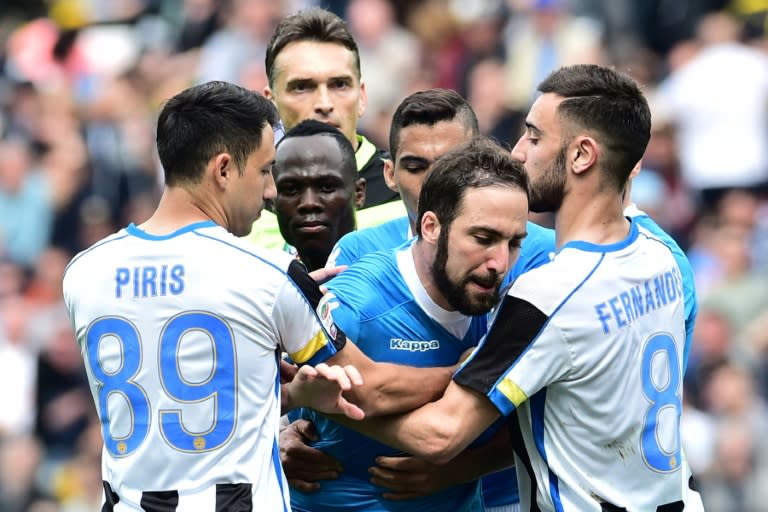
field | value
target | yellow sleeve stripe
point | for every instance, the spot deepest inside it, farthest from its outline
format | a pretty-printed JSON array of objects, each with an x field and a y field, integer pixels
[
  {"x": 512, "y": 391},
  {"x": 312, "y": 347}
]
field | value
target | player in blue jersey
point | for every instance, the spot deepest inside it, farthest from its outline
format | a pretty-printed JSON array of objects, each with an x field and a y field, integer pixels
[
  {"x": 181, "y": 325},
  {"x": 593, "y": 379},
  {"x": 424, "y": 304},
  {"x": 318, "y": 190}
]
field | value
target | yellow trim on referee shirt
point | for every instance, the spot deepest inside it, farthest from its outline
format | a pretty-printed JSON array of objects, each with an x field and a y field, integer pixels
[
  {"x": 364, "y": 152},
  {"x": 512, "y": 391},
  {"x": 311, "y": 348}
]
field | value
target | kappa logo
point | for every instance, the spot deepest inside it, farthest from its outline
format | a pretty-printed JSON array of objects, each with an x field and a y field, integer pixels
[
  {"x": 325, "y": 313},
  {"x": 413, "y": 345}
]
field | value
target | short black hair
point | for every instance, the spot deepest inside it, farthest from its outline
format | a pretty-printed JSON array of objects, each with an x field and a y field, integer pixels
[
  {"x": 310, "y": 127},
  {"x": 313, "y": 24},
  {"x": 610, "y": 104},
  {"x": 208, "y": 119},
  {"x": 429, "y": 108},
  {"x": 478, "y": 163}
]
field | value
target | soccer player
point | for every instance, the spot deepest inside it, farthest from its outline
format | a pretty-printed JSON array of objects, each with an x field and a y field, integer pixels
[
  {"x": 318, "y": 190},
  {"x": 425, "y": 303},
  {"x": 181, "y": 325},
  {"x": 313, "y": 69},
  {"x": 585, "y": 352}
]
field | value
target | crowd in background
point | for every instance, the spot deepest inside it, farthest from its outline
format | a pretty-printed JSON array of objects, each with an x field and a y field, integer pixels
[{"x": 80, "y": 86}]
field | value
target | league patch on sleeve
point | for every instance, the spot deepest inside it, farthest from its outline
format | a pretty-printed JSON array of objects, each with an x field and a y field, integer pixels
[{"x": 324, "y": 312}]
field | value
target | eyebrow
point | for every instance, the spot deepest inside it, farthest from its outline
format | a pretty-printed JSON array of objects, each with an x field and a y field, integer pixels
[
  {"x": 300, "y": 80},
  {"x": 495, "y": 233},
  {"x": 415, "y": 160},
  {"x": 532, "y": 127}
]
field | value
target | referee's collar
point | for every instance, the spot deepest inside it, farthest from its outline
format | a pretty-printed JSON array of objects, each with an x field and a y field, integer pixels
[{"x": 365, "y": 151}]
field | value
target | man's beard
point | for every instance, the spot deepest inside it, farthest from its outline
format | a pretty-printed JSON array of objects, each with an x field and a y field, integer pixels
[
  {"x": 456, "y": 293},
  {"x": 547, "y": 193}
]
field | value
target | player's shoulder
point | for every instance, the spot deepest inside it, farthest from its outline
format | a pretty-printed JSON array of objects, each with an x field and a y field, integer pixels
[
  {"x": 548, "y": 285},
  {"x": 358, "y": 243},
  {"x": 539, "y": 233},
  {"x": 372, "y": 268},
  {"x": 99, "y": 251},
  {"x": 392, "y": 231},
  {"x": 374, "y": 277}
]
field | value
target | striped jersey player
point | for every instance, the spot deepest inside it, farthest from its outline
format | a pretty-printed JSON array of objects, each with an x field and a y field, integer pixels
[{"x": 185, "y": 380}]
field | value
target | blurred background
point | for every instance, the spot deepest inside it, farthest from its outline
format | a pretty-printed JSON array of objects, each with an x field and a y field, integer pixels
[{"x": 81, "y": 82}]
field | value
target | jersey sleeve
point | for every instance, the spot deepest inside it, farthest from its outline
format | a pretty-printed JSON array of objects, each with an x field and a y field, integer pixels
[
  {"x": 303, "y": 319},
  {"x": 345, "y": 252},
  {"x": 520, "y": 355},
  {"x": 349, "y": 296}
]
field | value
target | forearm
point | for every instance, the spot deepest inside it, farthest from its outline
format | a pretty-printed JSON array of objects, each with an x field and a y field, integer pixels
[
  {"x": 423, "y": 432},
  {"x": 286, "y": 400},
  {"x": 492, "y": 456},
  {"x": 393, "y": 389},
  {"x": 390, "y": 388}
]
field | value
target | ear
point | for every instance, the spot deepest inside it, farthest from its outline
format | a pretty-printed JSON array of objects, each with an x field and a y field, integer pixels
[
  {"x": 430, "y": 227},
  {"x": 636, "y": 169},
  {"x": 584, "y": 154},
  {"x": 223, "y": 167},
  {"x": 359, "y": 192},
  {"x": 363, "y": 103},
  {"x": 268, "y": 93},
  {"x": 389, "y": 175}
]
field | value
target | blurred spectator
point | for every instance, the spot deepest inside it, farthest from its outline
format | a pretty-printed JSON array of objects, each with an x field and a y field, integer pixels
[
  {"x": 719, "y": 102},
  {"x": 698, "y": 430},
  {"x": 235, "y": 52},
  {"x": 542, "y": 37},
  {"x": 20, "y": 458},
  {"x": 438, "y": 31},
  {"x": 199, "y": 20},
  {"x": 25, "y": 194},
  {"x": 389, "y": 54},
  {"x": 737, "y": 481},
  {"x": 64, "y": 405},
  {"x": 485, "y": 92},
  {"x": 663, "y": 24},
  {"x": 712, "y": 347},
  {"x": 17, "y": 369},
  {"x": 731, "y": 395}
]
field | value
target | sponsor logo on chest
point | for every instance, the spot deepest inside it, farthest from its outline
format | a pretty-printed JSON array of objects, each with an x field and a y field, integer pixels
[{"x": 413, "y": 345}]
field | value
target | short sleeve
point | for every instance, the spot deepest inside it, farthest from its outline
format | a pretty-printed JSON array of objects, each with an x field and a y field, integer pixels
[{"x": 304, "y": 322}]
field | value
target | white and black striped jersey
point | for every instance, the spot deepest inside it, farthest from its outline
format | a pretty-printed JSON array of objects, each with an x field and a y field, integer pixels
[
  {"x": 181, "y": 336},
  {"x": 587, "y": 352}
]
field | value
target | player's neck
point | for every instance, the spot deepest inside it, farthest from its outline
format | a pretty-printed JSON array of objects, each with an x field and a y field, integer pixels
[
  {"x": 179, "y": 208},
  {"x": 597, "y": 219}
]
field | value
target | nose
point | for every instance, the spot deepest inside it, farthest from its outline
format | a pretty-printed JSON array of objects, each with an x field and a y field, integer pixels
[
  {"x": 499, "y": 259},
  {"x": 270, "y": 191},
  {"x": 309, "y": 201},
  {"x": 323, "y": 103},
  {"x": 518, "y": 152}
]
